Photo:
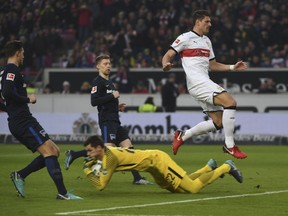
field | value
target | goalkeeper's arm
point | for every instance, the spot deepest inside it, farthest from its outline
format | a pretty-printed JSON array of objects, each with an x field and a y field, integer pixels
[{"x": 97, "y": 179}]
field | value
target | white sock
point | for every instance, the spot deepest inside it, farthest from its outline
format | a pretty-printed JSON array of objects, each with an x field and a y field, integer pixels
[
  {"x": 201, "y": 128},
  {"x": 228, "y": 121}
]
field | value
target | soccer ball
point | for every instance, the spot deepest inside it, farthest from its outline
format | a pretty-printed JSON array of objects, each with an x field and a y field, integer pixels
[{"x": 96, "y": 168}]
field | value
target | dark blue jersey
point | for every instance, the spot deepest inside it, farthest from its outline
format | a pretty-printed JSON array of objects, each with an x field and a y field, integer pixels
[
  {"x": 13, "y": 91},
  {"x": 102, "y": 97}
]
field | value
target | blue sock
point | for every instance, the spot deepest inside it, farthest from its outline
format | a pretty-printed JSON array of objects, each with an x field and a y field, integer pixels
[
  {"x": 77, "y": 154},
  {"x": 54, "y": 171},
  {"x": 136, "y": 175},
  {"x": 35, "y": 165}
]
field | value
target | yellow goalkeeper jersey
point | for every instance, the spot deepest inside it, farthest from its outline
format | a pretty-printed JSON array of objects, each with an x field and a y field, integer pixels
[{"x": 166, "y": 173}]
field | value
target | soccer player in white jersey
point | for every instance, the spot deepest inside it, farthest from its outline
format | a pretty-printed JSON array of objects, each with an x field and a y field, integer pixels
[{"x": 196, "y": 52}]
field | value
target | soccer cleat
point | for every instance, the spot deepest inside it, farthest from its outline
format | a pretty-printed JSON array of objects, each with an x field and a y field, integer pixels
[
  {"x": 177, "y": 141},
  {"x": 142, "y": 181},
  {"x": 213, "y": 165},
  {"x": 234, "y": 171},
  {"x": 68, "y": 196},
  {"x": 68, "y": 159},
  {"x": 18, "y": 182},
  {"x": 235, "y": 152}
]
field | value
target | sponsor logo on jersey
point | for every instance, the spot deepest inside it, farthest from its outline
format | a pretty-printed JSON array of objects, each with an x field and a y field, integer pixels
[
  {"x": 177, "y": 41},
  {"x": 94, "y": 89},
  {"x": 10, "y": 76},
  {"x": 109, "y": 91}
]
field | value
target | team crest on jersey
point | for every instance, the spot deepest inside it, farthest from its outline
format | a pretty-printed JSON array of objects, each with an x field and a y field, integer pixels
[
  {"x": 112, "y": 136},
  {"x": 43, "y": 133},
  {"x": 94, "y": 89},
  {"x": 10, "y": 76}
]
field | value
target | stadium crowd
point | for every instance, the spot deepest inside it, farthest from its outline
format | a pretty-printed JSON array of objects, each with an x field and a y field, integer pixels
[{"x": 136, "y": 34}]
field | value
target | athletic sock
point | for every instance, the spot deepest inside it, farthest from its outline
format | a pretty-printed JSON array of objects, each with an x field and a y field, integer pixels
[
  {"x": 228, "y": 121},
  {"x": 55, "y": 173},
  {"x": 136, "y": 175},
  {"x": 35, "y": 165},
  {"x": 201, "y": 128},
  {"x": 77, "y": 154}
]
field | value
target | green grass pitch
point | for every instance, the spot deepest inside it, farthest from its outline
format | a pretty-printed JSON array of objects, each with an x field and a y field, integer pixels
[{"x": 263, "y": 192}]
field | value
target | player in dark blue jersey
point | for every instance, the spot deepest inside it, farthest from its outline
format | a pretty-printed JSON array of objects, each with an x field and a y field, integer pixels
[
  {"x": 105, "y": 96},
  {"x": 25, "y": 127}
]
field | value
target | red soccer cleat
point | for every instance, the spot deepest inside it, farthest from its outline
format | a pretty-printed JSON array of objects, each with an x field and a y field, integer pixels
[
  {"x": 235, "y": 152},
  {"x": 177, "y": 141}
]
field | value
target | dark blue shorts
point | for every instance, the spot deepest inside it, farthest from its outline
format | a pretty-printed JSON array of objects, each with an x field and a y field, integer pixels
[
  {"x": 113, "y": 132},
  {"x": 29, "y": 132}
]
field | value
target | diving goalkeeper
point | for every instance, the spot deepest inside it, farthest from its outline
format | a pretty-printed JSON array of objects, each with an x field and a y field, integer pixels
[{"x": 103, "y": 161}]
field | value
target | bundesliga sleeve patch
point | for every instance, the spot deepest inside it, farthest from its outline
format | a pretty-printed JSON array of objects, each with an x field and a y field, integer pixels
[
  {"x": 94, "y": 89},
  {"x": 10, "y": 76}
]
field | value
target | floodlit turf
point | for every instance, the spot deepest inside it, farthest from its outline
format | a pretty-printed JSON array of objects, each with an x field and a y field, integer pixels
[{"x": 263, "y": 192}]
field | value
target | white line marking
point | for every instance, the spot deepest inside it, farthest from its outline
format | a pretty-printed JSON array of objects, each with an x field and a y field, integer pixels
[
  {"x": 168, "y": 203},
  {"x": 123, "y": 215}
]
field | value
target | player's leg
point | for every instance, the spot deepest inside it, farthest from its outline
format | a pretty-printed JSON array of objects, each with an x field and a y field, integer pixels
[
  {"x": 196, "y": 185},
  {"x": 50, "y": 151},
  {"x": 204, "y": 96},
  {"x": 71, "y": 155},
  {"x": 228, "y": 122},
  {"x": 32, "y": 139},
  {"x": 211, "y": 165},
  {"x": 18, "y": 177},
  {"x": 201, "y": 128}
]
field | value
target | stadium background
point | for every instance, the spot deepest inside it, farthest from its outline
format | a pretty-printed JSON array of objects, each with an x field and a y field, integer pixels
[{"x": 62, "y": 38}]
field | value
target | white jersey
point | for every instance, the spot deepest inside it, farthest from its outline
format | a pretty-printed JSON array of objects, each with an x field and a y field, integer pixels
[{"x": 195, "y": 52}]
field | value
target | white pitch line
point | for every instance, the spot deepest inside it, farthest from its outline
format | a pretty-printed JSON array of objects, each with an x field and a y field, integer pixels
[
  {"x": 168, "y": 203},
  {"x": 89, "y": 214}
]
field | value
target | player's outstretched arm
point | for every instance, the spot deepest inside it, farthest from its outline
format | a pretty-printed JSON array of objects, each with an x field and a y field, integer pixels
[{"x": 166, "y": 60}]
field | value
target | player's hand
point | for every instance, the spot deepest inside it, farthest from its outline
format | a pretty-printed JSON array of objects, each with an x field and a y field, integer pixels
[
  {"x": 240, "y": 65},
  {"x": 32, "y": 98},
  {"x": 167, "y": 66},
  {"x": 122, "y": 107},
  {"x": 116, "y": 94}
]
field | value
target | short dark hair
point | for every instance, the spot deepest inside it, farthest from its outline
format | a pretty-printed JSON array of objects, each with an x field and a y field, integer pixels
[
  {"x": 94, "y": 141},
  {"x": 100, "y": 58},
  {"x": 199, "y": 15},
  {"x": 12, "y": 47}
]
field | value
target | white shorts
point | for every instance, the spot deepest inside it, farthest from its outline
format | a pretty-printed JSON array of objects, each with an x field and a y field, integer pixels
[{"x": 204, "y": 92}]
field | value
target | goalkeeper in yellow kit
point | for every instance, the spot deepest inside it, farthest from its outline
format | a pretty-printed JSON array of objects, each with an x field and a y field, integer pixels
[{"x": 103, "y": 161}]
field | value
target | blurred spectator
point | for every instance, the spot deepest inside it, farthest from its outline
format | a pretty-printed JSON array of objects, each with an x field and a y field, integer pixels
[
  {"x": 127, "y": 59},
  {"x": 169, "y": 94},
  {"x": 31, "y": 89},
  {"x": 122, "y": 81},
  {"x": 47, "y": 89},
  {"x": 255, "y": 61},
  {"x": 148, "y": 106},
  {"x": 267, "y": 86},
  {"x": 66, "y": 87},
  {"x": 277, "y": 60},
  {"x": 140, "y": 88},
  {"x": 84, "y": 21},
  {"x": 85, "y": 88}
]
